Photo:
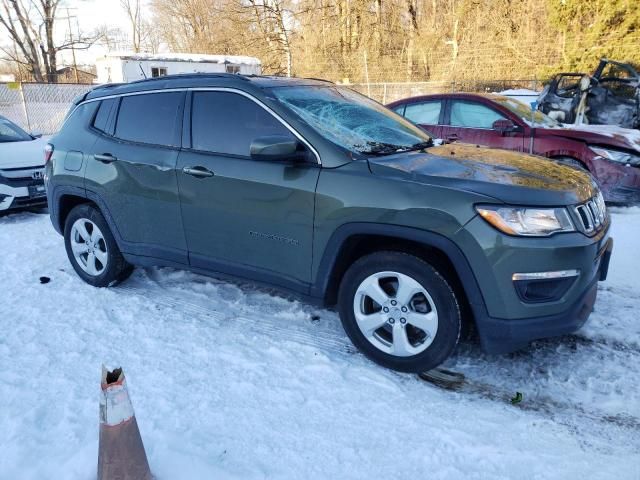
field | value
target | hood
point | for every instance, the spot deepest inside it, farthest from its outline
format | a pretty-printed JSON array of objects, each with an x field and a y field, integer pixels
[
  {"x": 29, "y": 153},
  {"x": 605, "y": 135},
  {"x": 511, "y": 177}
]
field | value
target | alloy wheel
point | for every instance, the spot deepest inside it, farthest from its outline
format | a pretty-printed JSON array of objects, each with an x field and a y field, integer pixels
[
  {"x": 89, "y": 247},
  {"x": 395, "y": 313}
]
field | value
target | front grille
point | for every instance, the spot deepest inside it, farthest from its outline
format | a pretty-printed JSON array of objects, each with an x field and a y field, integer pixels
[
  {"x": 22, "y": 177},
  {"x": 592, "y": 214}
]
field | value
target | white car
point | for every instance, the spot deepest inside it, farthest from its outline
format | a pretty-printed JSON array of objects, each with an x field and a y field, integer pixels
[{"x": 21, "y": 167}]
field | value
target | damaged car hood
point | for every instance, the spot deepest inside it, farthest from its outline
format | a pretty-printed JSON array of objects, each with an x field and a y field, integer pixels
[
  {"x": 511, "y": 177},
  {"x": 605, "y": 135}
]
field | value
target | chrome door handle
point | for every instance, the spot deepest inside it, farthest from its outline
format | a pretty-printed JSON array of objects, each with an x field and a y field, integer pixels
[
  {"x": 105, "y": 157},
  {"x": 198, "y": 171}
]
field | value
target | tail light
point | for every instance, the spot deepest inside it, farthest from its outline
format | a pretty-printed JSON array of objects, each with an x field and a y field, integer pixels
[{"x": 48, "y": 151}]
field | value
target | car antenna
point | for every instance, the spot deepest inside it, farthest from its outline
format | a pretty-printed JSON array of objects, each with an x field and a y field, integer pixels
[{"x": 142, "y": 70}]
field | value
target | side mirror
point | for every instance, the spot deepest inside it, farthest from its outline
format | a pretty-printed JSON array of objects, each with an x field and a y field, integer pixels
[
  {"x": 277, "y": 148},
  {"x": 36, "y": 134},
  {"x": 504, "y": 126}
]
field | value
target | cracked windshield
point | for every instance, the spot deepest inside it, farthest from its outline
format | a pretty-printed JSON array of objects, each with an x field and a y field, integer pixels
[{"x": 353, "y": 121}]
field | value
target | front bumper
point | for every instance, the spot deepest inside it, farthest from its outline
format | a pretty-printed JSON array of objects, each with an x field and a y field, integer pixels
[
  {"x": 504, "y": 336},
  {"x": 623, "y": 195},
  {"x": 620, "y": 184},
  {"x": 506, "y": 320},
  {"x": 30, "y": 195},
  {"x": 22, "y": 187}
]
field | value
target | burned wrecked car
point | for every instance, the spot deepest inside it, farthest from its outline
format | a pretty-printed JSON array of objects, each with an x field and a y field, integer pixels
[{"x": 611, "y": 96}]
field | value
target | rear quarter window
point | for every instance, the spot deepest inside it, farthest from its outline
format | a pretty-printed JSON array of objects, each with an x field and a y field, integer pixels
[
  {"x": 152, "y": 118},
  {"x": 101, "y": 120}
]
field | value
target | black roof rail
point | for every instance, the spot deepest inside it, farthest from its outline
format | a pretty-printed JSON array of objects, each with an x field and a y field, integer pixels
[
  {"x": 107, "y": 85},
  {"x": 78, "y": 99},
  {"x": 320, "y": 80},
  {"x": 176, "y": 76}
]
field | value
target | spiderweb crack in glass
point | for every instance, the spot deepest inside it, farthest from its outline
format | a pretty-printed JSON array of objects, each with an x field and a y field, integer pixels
[{"x": 353, "y": 121}]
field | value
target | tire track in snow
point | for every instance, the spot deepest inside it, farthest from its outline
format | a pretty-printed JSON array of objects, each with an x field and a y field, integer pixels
[
  {"x": 574, "y": 339},
  {"x": 542, "y": 404},
  {"x": 565, "y": 413},
  {"x": 323, "y": 338}
]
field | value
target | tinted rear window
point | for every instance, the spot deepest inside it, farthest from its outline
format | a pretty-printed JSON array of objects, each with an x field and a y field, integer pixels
[
  {"x": 150, "y": 118},
  {"x": 227, "y": 123},
  {"x": 102, "y": 116}
]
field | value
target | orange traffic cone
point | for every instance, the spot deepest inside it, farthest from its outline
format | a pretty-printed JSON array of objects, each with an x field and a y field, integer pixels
[{"x": 121, "y": 453}]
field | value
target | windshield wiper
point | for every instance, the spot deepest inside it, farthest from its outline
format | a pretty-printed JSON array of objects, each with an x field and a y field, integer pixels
[
  {"x": 380, "y": 149},
  {"x": 419, "y": 146}
]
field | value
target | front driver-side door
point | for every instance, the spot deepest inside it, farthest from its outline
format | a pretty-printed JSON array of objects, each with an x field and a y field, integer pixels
[
  {"x": 472, "y": 122},
  {"x": 245, "y": 217}
]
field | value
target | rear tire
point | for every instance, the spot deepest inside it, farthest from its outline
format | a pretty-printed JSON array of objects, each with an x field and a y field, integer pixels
[
  {"x": 91, "y": 248},
  {"x": 399, "y": 311}
]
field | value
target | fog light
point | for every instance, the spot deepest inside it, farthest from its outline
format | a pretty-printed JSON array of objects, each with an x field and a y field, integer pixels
[{"x": 540, "y": 287}]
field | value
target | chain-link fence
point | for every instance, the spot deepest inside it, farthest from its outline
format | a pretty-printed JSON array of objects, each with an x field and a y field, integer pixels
[
  {"x": 38, "y": 107},
  {"x": 388, "y": 92},
  {"x": 41, "y": 107}
]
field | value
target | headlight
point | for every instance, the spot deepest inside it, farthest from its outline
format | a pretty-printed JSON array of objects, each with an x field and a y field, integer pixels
[
  {"x": 617, "y": 155},
  {"x": 532, "y": 222}
]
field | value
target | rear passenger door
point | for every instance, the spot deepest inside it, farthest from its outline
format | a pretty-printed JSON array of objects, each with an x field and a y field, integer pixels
[
  {"x": 132, "y": 170},
  {"x": 472, "y": 122},
  {"x": 428, "y": 115},
  {"x": 245, "y": 217}
]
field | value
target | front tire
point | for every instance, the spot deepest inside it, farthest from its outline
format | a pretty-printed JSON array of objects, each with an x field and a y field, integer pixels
[
  {"x": 91, "y": 248},
  {"x": 399, "y": 311}
]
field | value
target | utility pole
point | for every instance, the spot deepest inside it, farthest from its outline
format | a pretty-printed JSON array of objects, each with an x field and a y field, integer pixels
[
  {"x": 139, "y": 26},
  {"x": 19, "y": 65},
  {"x": 73, "y": 50}
]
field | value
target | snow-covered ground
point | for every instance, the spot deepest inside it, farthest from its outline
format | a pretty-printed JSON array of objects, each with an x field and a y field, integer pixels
[{"x": 232, "y": 382}]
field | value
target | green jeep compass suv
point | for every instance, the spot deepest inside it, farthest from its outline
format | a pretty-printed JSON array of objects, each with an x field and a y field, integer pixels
[{"x": 312, "y": 188}]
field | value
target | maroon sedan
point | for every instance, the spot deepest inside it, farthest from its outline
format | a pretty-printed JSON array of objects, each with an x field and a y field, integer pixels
[{"x": 611, "y": 154}]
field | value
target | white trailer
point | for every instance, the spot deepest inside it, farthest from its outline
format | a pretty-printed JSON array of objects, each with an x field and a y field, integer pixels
[{"x": 127, "y": 67}]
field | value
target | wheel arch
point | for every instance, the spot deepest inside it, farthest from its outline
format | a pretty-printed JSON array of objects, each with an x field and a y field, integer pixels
[
  {"x": 65, "y": 198},
  {"x": 62, "y": 199},
  {"x": 571, "y": 156},
  {"x": 68, "y": 202},
  {"x": 352, "y": 241}
]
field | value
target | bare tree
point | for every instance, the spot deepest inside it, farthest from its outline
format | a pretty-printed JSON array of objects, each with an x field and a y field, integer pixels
[
  {"x": 132, "y": 9},
  {"x": 112, "y": 38},
  {"x": 405, "y": 40},
  {"x": 270, "y": 17},
  {"x": 30, "y": 25}
]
